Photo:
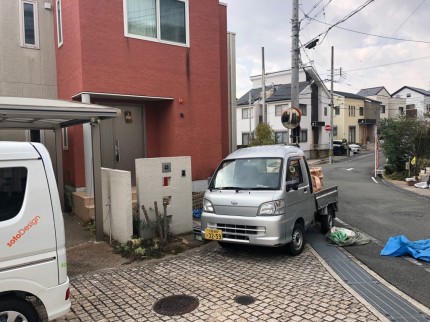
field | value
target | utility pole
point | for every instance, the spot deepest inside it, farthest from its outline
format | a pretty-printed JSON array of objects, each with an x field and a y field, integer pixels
[
  {"x": 295, "y": 62},
  {"x": 331, "y": 107},
  {"x": 249, "y": 114},
  {"x": 263, "y": 86}
]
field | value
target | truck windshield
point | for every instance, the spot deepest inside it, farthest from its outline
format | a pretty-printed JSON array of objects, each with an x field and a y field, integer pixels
[{"x": 248, "y": 174}]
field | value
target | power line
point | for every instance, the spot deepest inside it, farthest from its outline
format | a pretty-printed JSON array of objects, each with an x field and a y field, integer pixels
[
  {"x": 401, "y": 25},
  {"x": 364, "y": 5},
  {"x": 373, "y": 35},
  {"x": 399, "y": 62}
]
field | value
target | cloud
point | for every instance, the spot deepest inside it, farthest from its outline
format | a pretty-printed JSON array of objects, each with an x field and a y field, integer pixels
[{"x": 262, "y": 23}]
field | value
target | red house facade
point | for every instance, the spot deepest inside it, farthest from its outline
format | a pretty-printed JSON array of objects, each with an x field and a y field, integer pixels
[{"x": 163, "y": 63}]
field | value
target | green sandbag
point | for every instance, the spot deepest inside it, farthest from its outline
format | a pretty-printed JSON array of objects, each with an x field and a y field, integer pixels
[{"x": 340, "y": 238}]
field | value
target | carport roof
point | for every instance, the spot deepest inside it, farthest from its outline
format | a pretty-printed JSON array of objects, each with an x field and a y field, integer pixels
[{"x": 38, "y": 113}]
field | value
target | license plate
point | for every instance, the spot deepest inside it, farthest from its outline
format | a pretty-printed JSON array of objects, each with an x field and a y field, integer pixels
[{"x": 214, "y": 234}]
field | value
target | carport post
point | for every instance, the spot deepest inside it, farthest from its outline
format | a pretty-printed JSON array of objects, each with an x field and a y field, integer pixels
[
  {"x": 97, "y": 179},
  {"x": 59, "y": 163}
]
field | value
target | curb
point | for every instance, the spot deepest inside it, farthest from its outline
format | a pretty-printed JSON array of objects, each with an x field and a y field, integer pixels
[{"x": 388, "y": 183}]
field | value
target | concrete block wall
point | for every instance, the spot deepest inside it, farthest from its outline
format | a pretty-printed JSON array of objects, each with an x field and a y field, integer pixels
[
  {"x": 117, "y": 204},
  {"x": 155, "y": 181}
]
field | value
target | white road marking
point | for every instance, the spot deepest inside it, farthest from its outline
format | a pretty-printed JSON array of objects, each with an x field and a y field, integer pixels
[
  {"x": 349, "y": 169},
  {"x": 374, "y": 180}
]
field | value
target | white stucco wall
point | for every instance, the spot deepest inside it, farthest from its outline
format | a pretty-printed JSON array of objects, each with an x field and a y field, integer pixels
[
  {"x": 27, "y": 72},
  {"x": 117, "y": 204},
  {"x": 416, "y": 98},
  {"x": 284, "y": 77},
  {"x": 150, "y": 188}
]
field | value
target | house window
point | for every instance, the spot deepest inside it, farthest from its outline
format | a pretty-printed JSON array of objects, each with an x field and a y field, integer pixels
[
  {"x": 279, "y": 109},
  {"x": 361, "y": 110},
  {"x": 281, "y": 137},
  {"x": 245, "y": 138},
  {"x": 65, "y": 138},
  {"x": 336, "y": 110},
  {"x": 29, "y": 29},
  {"x": 325, "y": 111},
  {"x": 59, "y": 24},
  {"x": 245, "y": 113},
  {"x": 427, "y": 108},
  {"x": 157, "y": 20},
  {"x": 382, "y": 109},
  {"x": 401, "y": 110},
  {"x": 334, "y": 130},
  {"x": 13, "y": 182},
  {"x": 408, "y": 95},
  {"x": 303, "y": 108},
  {"x": 303, "y": 135},
  {"x": 351, "y": 111}
]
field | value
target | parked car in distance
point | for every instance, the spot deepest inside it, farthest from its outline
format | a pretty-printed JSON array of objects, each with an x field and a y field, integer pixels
[
  {"x": 355, "y": 148},
  {"x": 340, "y": 147}
]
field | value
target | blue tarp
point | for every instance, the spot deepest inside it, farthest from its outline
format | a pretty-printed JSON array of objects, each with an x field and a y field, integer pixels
[{"x": 400, "y": 246}]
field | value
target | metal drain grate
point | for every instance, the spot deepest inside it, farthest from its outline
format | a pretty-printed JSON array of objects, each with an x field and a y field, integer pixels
[
  {"x": 176, "y": 305},
  {"x": 244, "y": 299},
  {"x": 380, "y": 297}
]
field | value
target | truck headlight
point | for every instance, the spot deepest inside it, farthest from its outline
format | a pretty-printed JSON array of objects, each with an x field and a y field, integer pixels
[
  {"x": 272, "y": 208},
  {"x": 207, "y": 206}
]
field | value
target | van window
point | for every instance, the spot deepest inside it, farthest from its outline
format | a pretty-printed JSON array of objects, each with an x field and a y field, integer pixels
[
  {"x": 13, "y": 182},
  {"x": 294, "y": 171}
]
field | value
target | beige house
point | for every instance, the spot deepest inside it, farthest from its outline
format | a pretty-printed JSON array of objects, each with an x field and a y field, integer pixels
[
  {"x": 348, "y": 109},
  {"x": 355, "y": 118},
  {"x": 27, "y": 59}
]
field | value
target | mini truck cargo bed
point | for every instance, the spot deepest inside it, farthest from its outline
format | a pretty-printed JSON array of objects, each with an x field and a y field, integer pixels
[{"x": 326, "y": 197}]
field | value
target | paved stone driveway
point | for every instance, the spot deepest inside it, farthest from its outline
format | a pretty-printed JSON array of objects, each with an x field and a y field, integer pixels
[{"x": 285, "y": 289}]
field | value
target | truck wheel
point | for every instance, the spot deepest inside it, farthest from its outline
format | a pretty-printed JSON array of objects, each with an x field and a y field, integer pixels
[
  {"x": 327, "y": 221},
  {"x": 17, "y": 310},
  {"x": 295, "y": 247}
]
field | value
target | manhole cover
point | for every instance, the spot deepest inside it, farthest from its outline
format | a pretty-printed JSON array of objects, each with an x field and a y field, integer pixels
[
  {"x": 176, "y": 305},
  {"x": 408, "y": 213},
  {"x": 244, "y": 299}
]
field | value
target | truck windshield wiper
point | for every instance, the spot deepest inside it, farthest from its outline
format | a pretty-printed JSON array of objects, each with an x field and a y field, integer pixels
[
  {"x": 229, "y": 188},
  {"x": 262, "y": 188}
]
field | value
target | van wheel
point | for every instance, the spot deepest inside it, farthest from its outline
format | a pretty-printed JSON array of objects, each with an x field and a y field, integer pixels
[
  {"x": 17, "y": 310},
  {"x": 295, "y": 247},
  {"x": 327, "y": 221}
]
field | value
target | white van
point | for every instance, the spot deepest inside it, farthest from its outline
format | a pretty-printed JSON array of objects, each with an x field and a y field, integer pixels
[{"x": 33, "y": 266}]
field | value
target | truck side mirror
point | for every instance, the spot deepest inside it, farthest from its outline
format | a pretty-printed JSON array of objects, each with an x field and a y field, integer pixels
[{"x": 209, "y": 179}]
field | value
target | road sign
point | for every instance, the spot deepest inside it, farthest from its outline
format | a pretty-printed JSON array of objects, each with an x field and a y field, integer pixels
[{"x": 327, "y": 128}]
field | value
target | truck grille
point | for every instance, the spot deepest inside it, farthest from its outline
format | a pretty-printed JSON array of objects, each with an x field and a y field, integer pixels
[{"x": 239, "y": 231}]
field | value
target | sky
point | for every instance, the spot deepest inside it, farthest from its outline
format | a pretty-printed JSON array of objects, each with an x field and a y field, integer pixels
[{"x": 267, "y": 23}]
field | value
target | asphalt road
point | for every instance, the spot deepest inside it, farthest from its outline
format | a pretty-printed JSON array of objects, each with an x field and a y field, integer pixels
[{"x": 381, "y": 211}]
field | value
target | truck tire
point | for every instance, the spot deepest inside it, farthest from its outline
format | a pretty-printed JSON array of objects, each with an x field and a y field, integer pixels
[
  {"x": 296, "y": 246},
  {"x": 17, "y": 310},
  {"x": 327, "y": 221}
]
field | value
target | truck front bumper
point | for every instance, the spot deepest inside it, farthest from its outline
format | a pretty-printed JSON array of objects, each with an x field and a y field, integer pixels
[{"x": 261, "y": 230}]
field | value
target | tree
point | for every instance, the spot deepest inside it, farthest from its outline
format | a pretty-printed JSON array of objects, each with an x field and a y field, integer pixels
[
  {"x": 262, "y": 135},
  {"x": 399, "y": 136}
]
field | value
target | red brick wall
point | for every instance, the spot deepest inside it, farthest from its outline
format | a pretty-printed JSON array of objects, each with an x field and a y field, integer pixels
[{"x": 97, "y": 57}]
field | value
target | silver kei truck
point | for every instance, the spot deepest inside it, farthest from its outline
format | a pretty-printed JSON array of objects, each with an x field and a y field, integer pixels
[{"x": 264, "y": 196}]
